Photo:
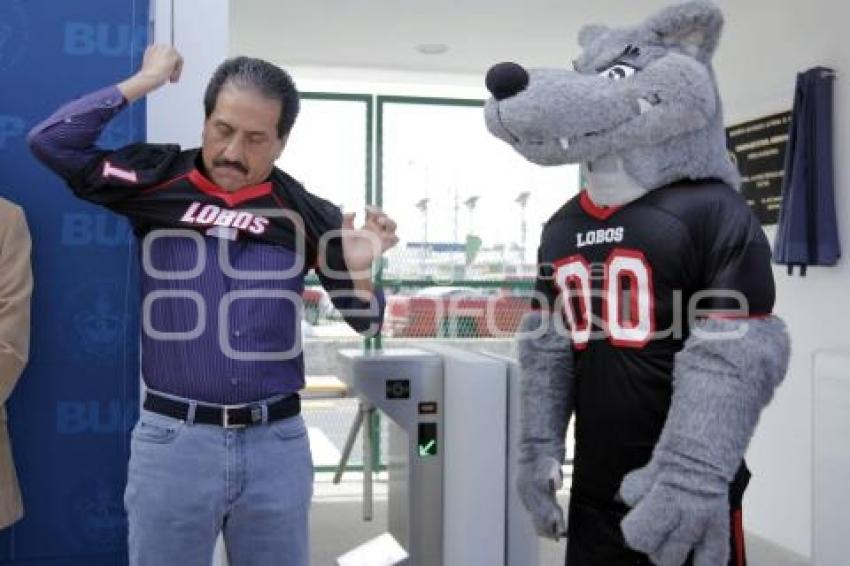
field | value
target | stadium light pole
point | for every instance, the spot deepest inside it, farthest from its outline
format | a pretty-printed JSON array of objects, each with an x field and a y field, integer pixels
[
  {"x": 522, "y": 200},
  {"x": 470, "y": 205},
  {"x": 422, "y": 205}
]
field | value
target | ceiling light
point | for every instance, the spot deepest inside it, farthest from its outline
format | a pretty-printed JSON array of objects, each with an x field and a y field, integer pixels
[{"x": 432, "y": 48}]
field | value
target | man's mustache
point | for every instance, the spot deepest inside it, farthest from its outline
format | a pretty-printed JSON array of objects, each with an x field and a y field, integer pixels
[{"x": 234, "y": 164}]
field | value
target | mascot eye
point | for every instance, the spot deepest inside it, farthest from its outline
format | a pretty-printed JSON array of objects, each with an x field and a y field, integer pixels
[{"x": 618, "y": 71}]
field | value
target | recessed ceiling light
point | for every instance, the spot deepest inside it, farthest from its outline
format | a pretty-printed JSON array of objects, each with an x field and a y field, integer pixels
[{"x": 432, "y": 48}]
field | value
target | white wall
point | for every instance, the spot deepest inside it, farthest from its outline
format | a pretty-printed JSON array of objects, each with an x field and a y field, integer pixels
[
  {"x": 175, "y": 112},
  {"x": 390, "y": 82},
  {"x": 765, "y": 43}
]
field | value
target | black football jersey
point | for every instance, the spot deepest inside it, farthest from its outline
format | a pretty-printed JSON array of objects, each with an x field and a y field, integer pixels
[
  {"x": 629, "y": 280},
  {"x": 160, "y": 186}
]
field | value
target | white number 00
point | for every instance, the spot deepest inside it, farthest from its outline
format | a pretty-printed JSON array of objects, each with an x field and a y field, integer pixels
[{"x": 572, "y": 276}]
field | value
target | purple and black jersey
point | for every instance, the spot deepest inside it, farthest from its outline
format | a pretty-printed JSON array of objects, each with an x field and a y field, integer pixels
[
  {"x": 629, "y": 280},
  {"x": 223, "y": 272}
]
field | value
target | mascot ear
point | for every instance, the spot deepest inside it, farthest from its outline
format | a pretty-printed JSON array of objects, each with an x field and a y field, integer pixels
[
  {"x": 590, "y": 33},
  {"x": 692, "y": 26}
]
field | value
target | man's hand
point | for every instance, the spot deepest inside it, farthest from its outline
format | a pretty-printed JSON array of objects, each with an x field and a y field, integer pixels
[
  {"x": 161, "y": 64},
  {"x": 361, "y": 247}
]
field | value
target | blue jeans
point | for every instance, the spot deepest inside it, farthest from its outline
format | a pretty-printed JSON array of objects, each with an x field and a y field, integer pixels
[{"x": 188, "y": 482}]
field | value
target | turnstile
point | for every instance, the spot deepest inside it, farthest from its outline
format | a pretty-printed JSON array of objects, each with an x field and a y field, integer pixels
[{"x": 452, "y": 422}]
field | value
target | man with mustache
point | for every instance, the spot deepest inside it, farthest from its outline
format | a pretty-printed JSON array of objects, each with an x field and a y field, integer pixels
[{"x": 220, "y": 446}]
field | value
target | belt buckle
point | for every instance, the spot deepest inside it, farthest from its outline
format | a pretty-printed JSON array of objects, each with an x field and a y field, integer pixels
[{"x": 226, "y": 420}]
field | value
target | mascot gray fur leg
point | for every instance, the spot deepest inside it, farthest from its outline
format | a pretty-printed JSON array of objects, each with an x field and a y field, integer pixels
[
  {"x": 545, "y": 357},
  {"x": 680, "y": 499}
]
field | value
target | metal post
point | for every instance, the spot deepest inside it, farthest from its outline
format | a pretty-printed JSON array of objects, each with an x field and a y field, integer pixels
[
  {"x": 368, "y": 411},
  {"x": 349, "y": 442}
]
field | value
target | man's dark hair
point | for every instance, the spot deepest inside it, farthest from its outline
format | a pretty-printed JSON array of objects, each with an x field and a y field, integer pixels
[{"x": 269, "y": 80}]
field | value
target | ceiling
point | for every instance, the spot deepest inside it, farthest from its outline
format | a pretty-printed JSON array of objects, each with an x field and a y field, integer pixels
[
  {"x": 764, "y": 41},
  {"x": 384, "y": 33}
]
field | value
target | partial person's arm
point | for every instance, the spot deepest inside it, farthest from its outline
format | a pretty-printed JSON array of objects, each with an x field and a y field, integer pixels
[
  {"x": 362, "y": 310},
  {"x": 345, "y": 268},
  {"x": 65, "y": 141},
  {"x": 15, "y": 294},
  {"x": 364, "y": 246},
  {"x": 342, "y": 256}
]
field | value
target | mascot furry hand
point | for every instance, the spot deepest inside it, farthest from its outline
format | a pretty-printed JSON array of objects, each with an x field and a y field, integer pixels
[{"x": 662, "y": 276}]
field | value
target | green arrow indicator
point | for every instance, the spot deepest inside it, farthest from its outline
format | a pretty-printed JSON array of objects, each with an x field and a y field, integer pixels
[
  {"x": 429, "y": 449},
  {"x": 427, "y": 440}
]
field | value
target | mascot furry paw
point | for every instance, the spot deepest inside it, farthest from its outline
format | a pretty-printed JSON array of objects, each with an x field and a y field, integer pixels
[{"x": 661, "y": 276}]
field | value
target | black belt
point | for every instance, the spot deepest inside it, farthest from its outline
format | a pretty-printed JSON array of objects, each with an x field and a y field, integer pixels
[{"x": 232, "y": 416}]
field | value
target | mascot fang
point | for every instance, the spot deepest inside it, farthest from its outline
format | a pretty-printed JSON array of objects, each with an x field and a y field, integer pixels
[{"x": 664, "y": 412}]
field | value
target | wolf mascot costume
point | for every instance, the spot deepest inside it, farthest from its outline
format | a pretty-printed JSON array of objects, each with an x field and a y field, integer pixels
[{"x": 664, "y": 344}]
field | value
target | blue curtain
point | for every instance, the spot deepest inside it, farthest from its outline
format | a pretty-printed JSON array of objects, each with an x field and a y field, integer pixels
[{"x": 807, "y": 233}]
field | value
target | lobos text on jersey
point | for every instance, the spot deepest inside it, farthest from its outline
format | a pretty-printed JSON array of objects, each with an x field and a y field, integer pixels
[{"x": 212, "y": 215}]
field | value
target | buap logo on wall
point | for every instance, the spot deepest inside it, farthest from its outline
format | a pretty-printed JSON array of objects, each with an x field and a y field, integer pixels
[
  {"x": 97, "y": 516},
  {"x": 90, "y": 229},
  {"x": 94, "y": 417},
  {"x": 14, "y": 33},
  {"x": 94, "y": 321},
  {"x": 103, "y": 38}
]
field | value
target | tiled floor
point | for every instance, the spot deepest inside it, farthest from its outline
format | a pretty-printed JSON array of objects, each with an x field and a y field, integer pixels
[{"x": 337, "y": 526}]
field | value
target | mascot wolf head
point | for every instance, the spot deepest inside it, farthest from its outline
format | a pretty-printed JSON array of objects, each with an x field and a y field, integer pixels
[{"x": 640, "y": 110}]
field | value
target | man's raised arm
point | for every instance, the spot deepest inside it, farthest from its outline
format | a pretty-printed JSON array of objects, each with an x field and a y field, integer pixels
[{"x": 65, "y": 142}]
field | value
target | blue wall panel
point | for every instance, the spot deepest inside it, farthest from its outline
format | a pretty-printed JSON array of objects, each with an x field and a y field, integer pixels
[{"x": 71, "y": 413}]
